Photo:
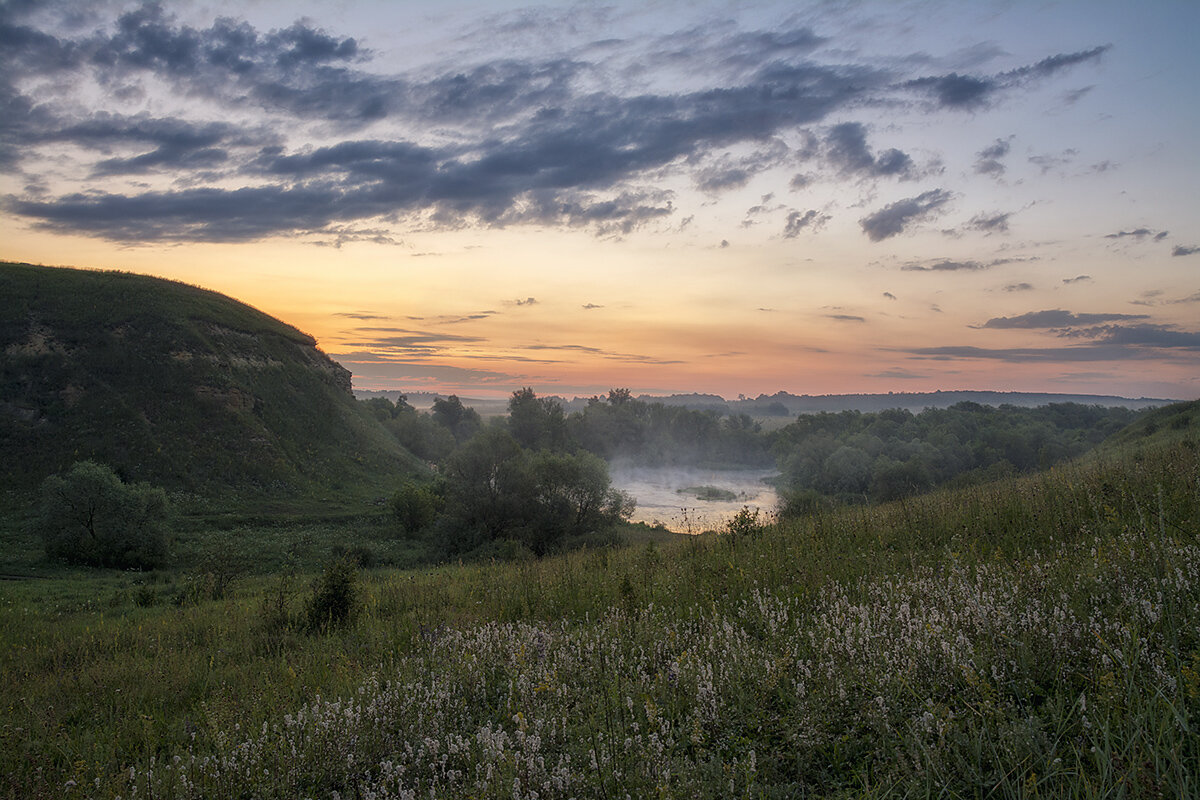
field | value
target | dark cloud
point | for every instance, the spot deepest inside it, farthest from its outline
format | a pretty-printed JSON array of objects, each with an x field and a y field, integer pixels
[
  {"x": 519, "y": 140},
  {"x": 375, "y": 368},
  {"x": 1078, "y": 279},
  {"x": 969, "y": 92},
  {"x": 846, "y": 149},
  {"x": 946, "y": 266},
  {"x": 360, "y": 315},
  {"x": 1148, "y": 298},
  {"x": 1142, "y": 335},
  {"x": 1075, "y": 95},
  {"x": 405, "y": 343},
  {"x": 727, "y": 172},
  {"x": 701, "y": 48},
  {"x": 1185, "y": 250},
  {"x": 800, "y": 181},
  {"x": 764, "y": 207},
  {"x": 204, "y": 214},
  {"x": 456, "y": 320},
  {"x": 528, "y": 301},
  {"x": 956, "y": 91},
  {"x": 1105, "y": 343},
  {"x": 629, "y": 358},
  {"x": 590, "y": 306},
  {"x": 1018, "y": 355},
  {"x": 894, "y": 217},
  {"x": 899, "y": 374},
  {"x": 989, "y": 223},
  {"x": 337, "y": 236},
  {"x": 1047, "y": 162},
  {"x": 1049, "y": 66},
  {"x": 798, "y": 222},
  {"x": 846, "y": 317},
  {"x": 889, "y": 295},
  {"x": 1055, "y": 318},
  {"x": 988, "y": 160},
  {"x": 177, "y": 145},
  {"x": 950, "y": 265},
  {"x": 1019, "y": 287},
  {"x": 1139, "y": 234}
]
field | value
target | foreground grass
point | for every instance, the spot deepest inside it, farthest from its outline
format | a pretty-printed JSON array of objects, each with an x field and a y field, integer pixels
[{"x": 1035, "y": 637}]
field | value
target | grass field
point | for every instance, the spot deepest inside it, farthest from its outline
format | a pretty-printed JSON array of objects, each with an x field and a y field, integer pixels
[{"x": 1035, "y": 637}]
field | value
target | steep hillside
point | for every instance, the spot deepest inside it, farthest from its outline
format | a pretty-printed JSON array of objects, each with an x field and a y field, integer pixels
[{"x": 175, "y": 385}]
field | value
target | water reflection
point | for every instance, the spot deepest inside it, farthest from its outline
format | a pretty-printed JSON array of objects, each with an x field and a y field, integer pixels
[{"x": 669, "y": 496}]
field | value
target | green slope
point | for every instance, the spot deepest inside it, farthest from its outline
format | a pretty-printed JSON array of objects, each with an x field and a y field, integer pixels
[
  {"x": 1178, "y": 422},
  {"x": 179, "y": 386}
]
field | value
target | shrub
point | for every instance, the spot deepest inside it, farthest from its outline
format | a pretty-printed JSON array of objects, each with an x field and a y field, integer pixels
[
  {"x": 89, "y": 516},
  {"x": 745, "y": 523},
  {"x": 334, "y": 600}
]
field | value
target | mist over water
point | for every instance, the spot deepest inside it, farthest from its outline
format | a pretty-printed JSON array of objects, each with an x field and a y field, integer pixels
[{"x": 660, "y": 501}]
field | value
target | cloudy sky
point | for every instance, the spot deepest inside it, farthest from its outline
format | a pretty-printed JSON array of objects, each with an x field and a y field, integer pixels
[{"x": 727, "y": 197}]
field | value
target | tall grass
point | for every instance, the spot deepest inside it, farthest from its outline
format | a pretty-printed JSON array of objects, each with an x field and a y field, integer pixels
[{"x": 1034, "y": 637}]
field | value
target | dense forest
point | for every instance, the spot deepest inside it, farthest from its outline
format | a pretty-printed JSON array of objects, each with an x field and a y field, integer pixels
[
  {"x": 888, "y": 455},
  {"x": 538, "y": 476}
]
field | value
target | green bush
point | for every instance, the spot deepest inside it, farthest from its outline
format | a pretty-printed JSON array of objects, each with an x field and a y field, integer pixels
[
  {"x": 415, "y": 507},
  {"x": 745, "y": 523},
  {"x": 89, "y": 516},
  {"x": 334, "y": 600}
]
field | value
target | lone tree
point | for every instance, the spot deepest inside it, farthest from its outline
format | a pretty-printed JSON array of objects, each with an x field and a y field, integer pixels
[{"x": 89, "y": 516}]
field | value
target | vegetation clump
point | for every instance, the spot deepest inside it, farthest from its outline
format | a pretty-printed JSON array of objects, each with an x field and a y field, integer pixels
[
  {"x": 334, "y": 599},
  {"x": 89, "y": 516},
  {"x": 745, "y": 524}
]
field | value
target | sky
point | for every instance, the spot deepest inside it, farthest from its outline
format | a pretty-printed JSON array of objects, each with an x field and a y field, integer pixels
[{"x": 722, "y": 197}]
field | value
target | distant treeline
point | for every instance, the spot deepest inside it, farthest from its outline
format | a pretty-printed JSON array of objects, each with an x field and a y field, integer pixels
[
  {"x": 617, "y": 426},
  {"x": 849, "y": 456},
  {"x": 853, "y": 456}
]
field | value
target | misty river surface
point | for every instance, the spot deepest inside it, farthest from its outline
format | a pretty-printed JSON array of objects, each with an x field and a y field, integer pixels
[{"x": 662, "y": 497}]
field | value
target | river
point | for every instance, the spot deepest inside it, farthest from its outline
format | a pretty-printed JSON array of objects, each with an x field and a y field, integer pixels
[{"x": 660, "y": 499}]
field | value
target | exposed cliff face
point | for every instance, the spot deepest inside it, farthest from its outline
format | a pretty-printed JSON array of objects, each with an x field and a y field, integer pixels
[{"x": 173, "y": 384}]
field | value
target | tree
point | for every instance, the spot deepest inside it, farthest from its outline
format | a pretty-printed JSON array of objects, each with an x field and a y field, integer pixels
[
  {"x": 89, "y": 516},
  {"x": 495, "y": 490},
  {"x": 572, "y": 495},
  {"x": 536, "y": 423},
  {"x": 461, "y": 421},
  {"x": 487, "y": 488}
]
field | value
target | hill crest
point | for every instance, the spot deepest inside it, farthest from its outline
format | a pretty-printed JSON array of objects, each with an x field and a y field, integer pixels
[{"x": 177, "y": 385}]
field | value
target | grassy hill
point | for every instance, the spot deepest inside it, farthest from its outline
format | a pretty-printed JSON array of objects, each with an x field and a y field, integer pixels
[
  {"x": 179, "y": 386},
  {"x": 1173, "y": 423}
]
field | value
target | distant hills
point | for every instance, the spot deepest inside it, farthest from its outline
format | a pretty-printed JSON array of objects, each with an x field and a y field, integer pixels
[
  {"x": 179, "y": 386},
  {"x": 918, "y": 401},
  {"x": 783, "y": 404}
]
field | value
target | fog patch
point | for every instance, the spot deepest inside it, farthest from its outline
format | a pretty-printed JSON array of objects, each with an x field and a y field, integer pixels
[{"x": 668, "y": 496}]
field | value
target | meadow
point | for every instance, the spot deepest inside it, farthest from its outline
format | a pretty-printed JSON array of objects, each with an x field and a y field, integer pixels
[{"x": 1030, "y": 637}]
